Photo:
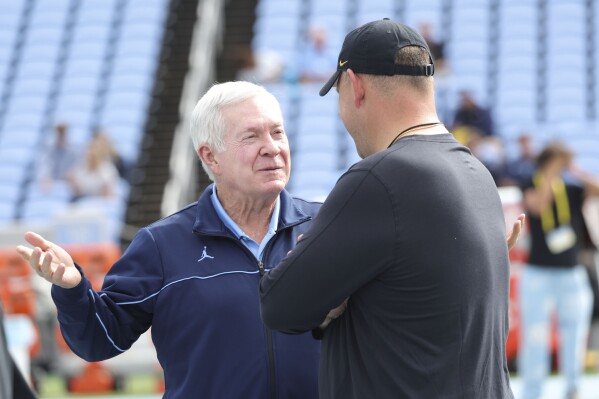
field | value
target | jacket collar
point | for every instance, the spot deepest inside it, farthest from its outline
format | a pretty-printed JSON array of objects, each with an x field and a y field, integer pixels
[{"x": 208, "y": 222}]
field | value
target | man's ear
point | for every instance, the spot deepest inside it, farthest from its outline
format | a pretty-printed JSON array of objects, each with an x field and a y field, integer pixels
[
  {"x": 358, "y": 88},
  {"x": 208, "y": 156}
]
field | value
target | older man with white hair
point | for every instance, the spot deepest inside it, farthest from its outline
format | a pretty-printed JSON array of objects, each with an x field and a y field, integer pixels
[{"x": 193, "y": 276}]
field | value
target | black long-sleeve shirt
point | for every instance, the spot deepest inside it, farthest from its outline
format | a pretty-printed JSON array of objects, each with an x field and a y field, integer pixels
[{"x": 415, "y": 237}]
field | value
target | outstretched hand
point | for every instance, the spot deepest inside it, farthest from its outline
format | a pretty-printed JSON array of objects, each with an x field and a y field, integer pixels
[
  {"x": 512, "y": 236},
  {"x": 50, "y": 261}
]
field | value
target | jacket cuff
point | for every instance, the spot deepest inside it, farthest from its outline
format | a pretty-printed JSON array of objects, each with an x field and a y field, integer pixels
[{"x": 72, "y": 297}]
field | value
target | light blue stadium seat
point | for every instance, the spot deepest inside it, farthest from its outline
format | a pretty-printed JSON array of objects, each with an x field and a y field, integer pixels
[
  {"x": 17, "y": 156},
  {"x": 116, "y": 116},
  {"x": 152, "y": 32},
  {"x": 470, "y": 22},
  {"x": 91, "y": 67},
  {"x": 306, "y": 180},
  {"x": 7, "y": 211},
  {"x": 332, "y": 8},
  {"x": 127, "y": 82},
  {"x": 79, "y": 84},
  {"x": 468, "y": 49},
  {"x": 8, "y": 38},
  {"x": 95, "y": 13},
  {"x": 521, "y": 48},
  {"x": 315, "y": 124},
  {"x": 42, "y": 210},
  {"x": 566, "y": 112},
  {"x": 509, "y": 80},
  {"x": 126, "y": 100},
  {"x": 561, "y": 77},
  {"x": 11, "y": 173},
  {"x": 11, "y": 9},
  {"x": 26, "y": 104},
  {"x": 518, "y": 19},
  {"x": 17, "y": 121},
  {"x": 41, "y": 68},
  {"x": 316, "y": 105},
  {"x": 92, "y": 50},
  {"x": 327, "y": 141},
  {"x": 34, "y": 86},
  {"x": 278, "y": 8},
  {"x": 515, "y": 114},
  {"x": 49, "y": 35},
  {"x": 146, "y": 11},
  {"x": 384, "y": 7},
  {"x": 138, "y": 47},
  {"x": 76, "y": 118},
  {"x": 75, "y": 102},
  {"x": 48, "y": 14},
  {"x": 284, "y": 42},
  {"x": 19, "y": 137},
  {"x": 429, "y": 11},
  {"x": 129, "y": 64},
  {"x": 58, "y": 191}
]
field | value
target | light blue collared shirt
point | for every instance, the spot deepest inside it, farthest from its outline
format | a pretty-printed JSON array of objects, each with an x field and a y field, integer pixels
[{"x": 257, "y": 250}]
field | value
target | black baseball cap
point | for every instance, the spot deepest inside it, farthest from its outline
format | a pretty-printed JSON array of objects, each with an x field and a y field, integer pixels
[{"x": 371, "y": 49}]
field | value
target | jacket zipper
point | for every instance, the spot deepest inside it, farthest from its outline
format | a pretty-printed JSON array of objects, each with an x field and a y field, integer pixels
[
  {"x": 269, "y": 339},
  {"x": 261, "y": 270}
]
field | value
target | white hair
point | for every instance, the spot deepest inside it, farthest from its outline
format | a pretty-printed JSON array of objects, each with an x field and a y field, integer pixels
[{"x": 207, "y": 123}]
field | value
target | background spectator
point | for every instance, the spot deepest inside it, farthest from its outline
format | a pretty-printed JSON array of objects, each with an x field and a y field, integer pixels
[
  {"x": 58, "y": 159},
  {"x": 519, "y": 170},
  {"x": 109, "y": 152},
  {"x": 437, "y": 47},
  {"x": 96, "y": 175},
  {"x": 554, "y": 280},
  {"x": 471, "y": 119},
  {"x": 261, "y": 66},
  {"x": 316, "y": 59}
]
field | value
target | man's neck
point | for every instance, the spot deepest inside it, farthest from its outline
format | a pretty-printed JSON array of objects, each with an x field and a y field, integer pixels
[{"x": 250, "y": 214}]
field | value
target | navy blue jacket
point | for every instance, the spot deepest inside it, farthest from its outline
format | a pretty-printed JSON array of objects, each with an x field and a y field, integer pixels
[{"x": 189, "y": 278}]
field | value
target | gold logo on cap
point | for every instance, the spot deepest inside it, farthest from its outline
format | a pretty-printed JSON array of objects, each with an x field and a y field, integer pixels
[{"x": 341, "y": 63}]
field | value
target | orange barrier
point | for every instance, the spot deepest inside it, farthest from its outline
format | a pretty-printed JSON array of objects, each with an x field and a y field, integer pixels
[
  {"x": 95, "y": 259},
  {"x": 94, "y": 379}
]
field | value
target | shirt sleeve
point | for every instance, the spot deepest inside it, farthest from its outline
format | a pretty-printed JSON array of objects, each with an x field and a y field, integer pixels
[
  {"x": 101, "y": 325},
  {"x": 350, "y": 242}
]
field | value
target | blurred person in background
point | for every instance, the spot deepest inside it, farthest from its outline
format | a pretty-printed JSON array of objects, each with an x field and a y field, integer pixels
[
  {"x": 437, "y": 47},
  {"x": 554, "y": 280},
  {"x": 58, "y": 159},
  {"x": 105, "y": 146},
  {"x": 259, "y": 66},
  {"x": 315, "y": 58},
  {"x": 471, "y": 120},
  {"x": 193, "y": 276},
  {"x": 96, "y": 176},
  {"x": 518, "y": 171},
  {"x": 490, "y": 151},
  {"x": 12, "y": 383}
]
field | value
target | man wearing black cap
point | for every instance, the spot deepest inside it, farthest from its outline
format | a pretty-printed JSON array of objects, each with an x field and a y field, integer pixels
[{"x": 413, "y": 236}]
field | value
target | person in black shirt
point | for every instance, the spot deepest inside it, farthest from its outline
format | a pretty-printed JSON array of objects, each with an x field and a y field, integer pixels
[
  {"x": 411, "y": 242},
  {"x": 554, "y": 279}
]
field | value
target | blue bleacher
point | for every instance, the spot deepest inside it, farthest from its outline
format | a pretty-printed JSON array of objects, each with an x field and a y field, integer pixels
[
  {"x": 529, "y": 60},
  {"x": 87, "y": 64}
]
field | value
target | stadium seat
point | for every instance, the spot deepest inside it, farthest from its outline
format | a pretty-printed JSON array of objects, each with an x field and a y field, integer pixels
[
  {"x": 277, "y": 8},
  {"x": 418, "y": 11}
]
